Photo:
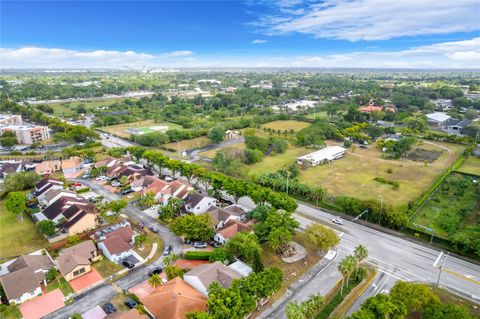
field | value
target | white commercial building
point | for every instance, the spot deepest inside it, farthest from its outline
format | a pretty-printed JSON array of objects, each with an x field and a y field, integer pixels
[
  {"x": 27, "y": 134},
  {"x": 325, "y": 155}
]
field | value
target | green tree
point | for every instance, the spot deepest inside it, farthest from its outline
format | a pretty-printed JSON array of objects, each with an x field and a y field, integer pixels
[
  {"x": 194, "y": 227},
  {"x": 155, "y": 281},
  {"x": 245, "y": 246},
  {"x": 173, "y": 271},
  {"x": 16, "y": 203},
  {"x": 140, "y": 240},
  {"x": 51, "y": 274},
  {"x": 345, "y": 267},
  {"x": 305, "y": 310},
  {"x": 438, "y": 310},
  {"x": 222, "y": 255},
  {"x": 20, "y": 181},
  {"x": 124, "y": 180},
  {"x": 252, "y": 156},
  {"x": 277, "y": 229},
  {"x": 216, "y": 134},
  {"x": 360, "y": 253},
  {"x": 415, "y": 297},
  {"x": 256, "y": 143},
  {"x": 147, "y": 200},
  {"x": 170, "y": 210},
  {"x": 321, "y": 237},
  {"x": 380, "y": 306},
  {"x": 117, "y": 205},
  {"x": 279, "y": 145},
  {"x": 229, "y": 303},
  {"x": 46, "y": 227},
  {"x": 224, "y": 162}
]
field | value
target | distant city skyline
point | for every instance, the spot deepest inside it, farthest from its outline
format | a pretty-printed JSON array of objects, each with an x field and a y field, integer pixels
[{"x": 287, "y": 33}]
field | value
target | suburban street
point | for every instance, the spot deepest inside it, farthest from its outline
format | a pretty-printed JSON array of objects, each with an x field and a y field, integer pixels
[{"x": 106, "y": 291}]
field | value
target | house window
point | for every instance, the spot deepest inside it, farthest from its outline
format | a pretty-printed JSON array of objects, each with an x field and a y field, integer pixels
[{"x": 78, "y": 272}]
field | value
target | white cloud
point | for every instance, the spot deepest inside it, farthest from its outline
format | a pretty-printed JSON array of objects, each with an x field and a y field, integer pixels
[
  {"x": 455, "y": 54},
  {"x": 368, "y": 20},
  {"x": 258, "y": 41},
  {"x": 34, "y": 57}
]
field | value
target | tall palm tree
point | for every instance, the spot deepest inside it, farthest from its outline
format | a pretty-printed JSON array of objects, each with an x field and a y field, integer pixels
[
  {"x": 343, "y": 268},
  {"x": 351, "y": 264},
  {"x": 360, "y": 253},
  {"x": 155, "y": 281}
]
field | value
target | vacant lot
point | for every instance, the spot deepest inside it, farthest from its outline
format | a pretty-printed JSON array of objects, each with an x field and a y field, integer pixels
[
  {"x": 286, "y": 125},
  {"x": 353, "y": 175},
  {"x": 17, "y": 238},
  {"x": 194, "y": 143},
  {"x": 272, "y": 163},
  {"x": 121, "y": 129},
  {"x": 471, "y": 166},
  {"x": 69, "y": 108},
  {"x": 453, "y": 206},
  {"x": 211, "y": 153}
]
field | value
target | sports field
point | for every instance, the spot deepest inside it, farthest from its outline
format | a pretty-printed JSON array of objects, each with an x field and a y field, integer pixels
[{"x": 146, "y": 126}]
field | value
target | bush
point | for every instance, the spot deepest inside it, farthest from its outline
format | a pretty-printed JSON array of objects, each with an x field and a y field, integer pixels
[
  {"x": 197, "y": 255},
  {"x": 252, "y": 156},
  {"x": 395, "y": 184}
]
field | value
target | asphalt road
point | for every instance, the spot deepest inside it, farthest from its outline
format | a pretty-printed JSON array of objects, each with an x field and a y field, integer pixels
[{"x": 106, "y": 291}]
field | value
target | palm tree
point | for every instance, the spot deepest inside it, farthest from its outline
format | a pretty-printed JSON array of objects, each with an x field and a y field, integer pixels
[
  {"x": 155, "y": 281},
  {"x": 360, "y": 253},
  {"x": 343, "y": 269},
  {"x": 351, "y": 264}
]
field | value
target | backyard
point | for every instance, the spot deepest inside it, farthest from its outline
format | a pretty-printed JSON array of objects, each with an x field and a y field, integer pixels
[
  {"x": 145, "y": 126},
  {"x": 11, "y": 244},
  {"x": 470, "y": 166},
  {"x": 453, "y": 206}
]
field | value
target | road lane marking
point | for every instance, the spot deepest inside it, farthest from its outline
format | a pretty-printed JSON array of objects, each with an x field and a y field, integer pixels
[{"x": 461, "y": 276}]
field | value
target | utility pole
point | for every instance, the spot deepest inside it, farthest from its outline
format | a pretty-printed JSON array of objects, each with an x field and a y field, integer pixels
[{"x": 440, "y": 268}]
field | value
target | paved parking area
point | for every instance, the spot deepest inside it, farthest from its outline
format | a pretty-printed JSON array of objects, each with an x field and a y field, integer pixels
[
  {"x": 42, "y": 305},
  {"x": 86, "y": 280}
]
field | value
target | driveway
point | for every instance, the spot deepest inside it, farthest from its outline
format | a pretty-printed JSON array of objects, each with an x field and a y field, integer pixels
[
  {"x": 85, "y": 281},
  {"x": 43, "y": 305}
]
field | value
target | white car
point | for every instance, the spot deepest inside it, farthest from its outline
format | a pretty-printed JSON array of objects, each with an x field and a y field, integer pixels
[{"x": 337, "y": 221}]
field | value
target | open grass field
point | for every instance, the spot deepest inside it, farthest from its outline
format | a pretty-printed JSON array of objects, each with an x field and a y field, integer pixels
[
  {"x": 106, "y": 267},
  {"x": 451, "y": 199},
  {"x": 353, "y": 175},
  {"x": 16, "y": 237},
  {"x": 145, "y": 126},
  {"x": 197, "y": 142},
  {"x": 286, "y": 125},
  {"x": 317, "y": 115},
  {"x": 272, "y": 163},
  {"x": 68, "y": 108},
  {"x": 211, "y": 153},
  {"x": 470, "y": 166}
]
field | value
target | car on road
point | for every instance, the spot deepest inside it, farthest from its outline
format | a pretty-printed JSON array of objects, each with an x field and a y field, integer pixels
[
  {"x": 200, "y": 244},
  {"x": 84, "y": 176},
  {"x": 101, "y": 178},
  {"x": 155, "y": 271},
  {"x": 109, "y": 308},
  {"x": 116, "y": 184},
  {"x": 128, "y": 264},
  {"x": 337, "y": 221},
  {"x": 131, "y": 303},
  {"x": 167, "y": 250},
  {"x": 154, "y": 228}
]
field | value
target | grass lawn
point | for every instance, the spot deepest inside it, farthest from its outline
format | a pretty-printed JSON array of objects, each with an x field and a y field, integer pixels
[
  {"x": 17, "y": 238},
  {"x": 448, "y": 197},
  {"x": 275, "y": 162},
  {"x": 60, "y": 283},
  {"x": 197, "y": 142},
  {"x": 151, "y": 238},
  {"x": 121, "y": 129},
  {"x": 119, "y": 302},
  {"x": 211, "y": 153},
  {"x": 68, "y": 108},
  {"x": 287, "y": 125},
  {"x": 106, "y": 267},
  {"x": 317, "y": 115},
  {"x": 353, "y": 175},
  {"x": 470, "y": 166}
]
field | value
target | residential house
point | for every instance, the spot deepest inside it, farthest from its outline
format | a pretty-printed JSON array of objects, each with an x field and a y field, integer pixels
[
  {"x": 437, "y": 119},
  {"x": 455, "y": 126},
  {"x": 48, "y": 167},
  {"x": 173, "y": 300},
  {"x": 25, "y": 277},
  {"x": 72, "y": 166},
  {"x": 198, "y": 203},
  {"x": 75, "y": 261},
  {"x": 15, "y": 167},
  {"x": 231, "y": 228},
  {"x": 165, "y": 190},
  {"x": 116, "y": 242},
  {"x": 143, "y": 183},
  {"x": 53, "y": 194},
  {"x": 133, "y": 172},
  {"x": 202, "y": 276},
  {"x": 220, "y": 216},
  {"x": 241, "y": 267},
  {"x": 74, "y": 215},
  {"x": 375, "y": 108},
  {"x": 45, "y": 184}
]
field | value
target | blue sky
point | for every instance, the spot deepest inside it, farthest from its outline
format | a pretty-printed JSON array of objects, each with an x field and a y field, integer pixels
[{"x": 333, "y": 33}]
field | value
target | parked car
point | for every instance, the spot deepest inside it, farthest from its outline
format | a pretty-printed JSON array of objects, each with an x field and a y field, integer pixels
[
  {"x": 167, "y": 250},
  {"x": 214, "y": 244},
  {"x": 109, "y": 308},
  {"x": 127, "y": 191},
  {"x": 128, "y": 264},
  {"x": 155, "y": 271},
  {"x": 131, "y": 303},
  {"x": 116, "y": 184},
  {"x": 84, "y": 176},
  {"x": 154, "y": 228},
  {"x": 365, "y": 147},
  {"x": 200, "y": 244},
  {"x": 337, "y": 221}
]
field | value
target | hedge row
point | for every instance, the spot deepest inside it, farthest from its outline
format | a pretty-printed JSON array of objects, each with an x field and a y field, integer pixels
[{"x": 197, "y": 255}]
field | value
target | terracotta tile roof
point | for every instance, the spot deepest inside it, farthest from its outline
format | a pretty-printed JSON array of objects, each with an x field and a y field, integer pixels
[
  {"x": 234, "y": 226},
  {"x": 47, "y": 166},
  {"x": 72, "y": 162},
  {"x": 174, "y": 299},
  {"x": 116, "y": 245},
  {"x": 190, "y": 264},
  {"x": 156, "y": 186}
]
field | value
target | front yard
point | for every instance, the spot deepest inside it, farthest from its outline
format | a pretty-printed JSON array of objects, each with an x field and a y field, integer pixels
[
  {"x": 106, "y": 267},
  {"x": 60, "y": 283},
  {"x": 16, "y": 237},
  {"x": 147, "y": 247}
]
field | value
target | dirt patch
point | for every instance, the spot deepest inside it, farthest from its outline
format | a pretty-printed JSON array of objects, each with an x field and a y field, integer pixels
[{"x": 422, "y": 155}]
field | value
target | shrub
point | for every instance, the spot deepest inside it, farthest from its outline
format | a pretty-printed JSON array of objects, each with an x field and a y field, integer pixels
[
  {"x": 197, "y": 255},
  {"x": 395, "y": 184}
]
